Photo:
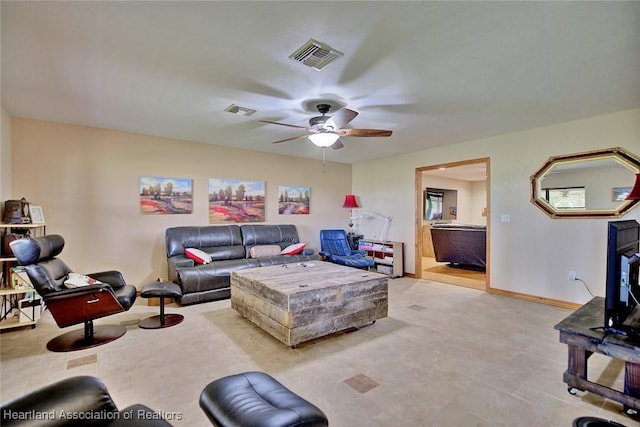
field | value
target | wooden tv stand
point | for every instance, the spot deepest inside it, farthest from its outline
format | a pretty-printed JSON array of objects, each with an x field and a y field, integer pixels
[{"x": 583, "y": 333}]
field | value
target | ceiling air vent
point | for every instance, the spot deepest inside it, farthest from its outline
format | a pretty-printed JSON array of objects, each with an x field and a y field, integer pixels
[
  {"x": 315, "y": 54},
  {"x": 240, "y": 111}
]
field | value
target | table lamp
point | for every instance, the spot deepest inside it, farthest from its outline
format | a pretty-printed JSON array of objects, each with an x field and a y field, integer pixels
[
  {"x": 634, "y": 194},
  {"x": 350, "y": 202}
]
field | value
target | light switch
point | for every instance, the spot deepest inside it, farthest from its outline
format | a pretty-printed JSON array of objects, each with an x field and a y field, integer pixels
[{"x": 505, "y": 218}]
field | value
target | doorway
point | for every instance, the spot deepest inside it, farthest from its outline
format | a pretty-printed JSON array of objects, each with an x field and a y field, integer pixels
[{"x": 469, "y": 181}]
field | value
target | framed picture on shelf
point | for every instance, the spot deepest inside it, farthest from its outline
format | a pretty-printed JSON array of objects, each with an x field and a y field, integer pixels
[{"x": 37, "y": 216}]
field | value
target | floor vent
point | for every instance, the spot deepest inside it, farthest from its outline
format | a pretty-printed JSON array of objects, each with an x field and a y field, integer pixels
[
  {"x": 240, "y": 111},
  {"x": 315, "y": 55}
]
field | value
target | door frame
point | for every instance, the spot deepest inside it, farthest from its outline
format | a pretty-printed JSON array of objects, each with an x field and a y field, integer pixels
[{"x": 420, "y": 209}]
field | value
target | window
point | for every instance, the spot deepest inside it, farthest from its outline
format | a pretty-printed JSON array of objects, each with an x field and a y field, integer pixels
[
  {"x": 565, "y": 198},
  {"x": 433, "y": 205}
]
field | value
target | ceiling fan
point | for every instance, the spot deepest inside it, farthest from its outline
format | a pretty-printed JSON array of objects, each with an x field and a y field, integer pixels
[{"x": 325, "y": 131}]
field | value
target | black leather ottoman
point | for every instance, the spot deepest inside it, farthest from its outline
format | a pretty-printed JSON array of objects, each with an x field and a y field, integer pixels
[
  {"x": 258, "y": 400},
  {"x": 594, "y": 422},
  {"x": 161, "y": 290}
]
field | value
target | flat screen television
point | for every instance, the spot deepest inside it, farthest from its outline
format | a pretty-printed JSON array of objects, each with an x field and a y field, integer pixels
[{"x": 622, "y": 299}]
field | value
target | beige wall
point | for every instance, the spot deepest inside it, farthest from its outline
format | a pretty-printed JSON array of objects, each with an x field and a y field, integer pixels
[
  {"x": 86, "y": 181},
  {"x": 478, "y": 202},
  {"x": 5, "y": 158},
  {"x": 471, "y": 197},
  {"x": 531, "y": 254}
]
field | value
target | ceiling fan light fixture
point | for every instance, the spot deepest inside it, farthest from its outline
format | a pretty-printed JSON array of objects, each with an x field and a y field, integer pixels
[{"x": 324, "y": 139}]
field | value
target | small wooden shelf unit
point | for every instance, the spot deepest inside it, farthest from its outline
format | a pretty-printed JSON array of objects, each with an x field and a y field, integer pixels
[
  {"x": 14, "y": 287},
  {"x": 387, "y": 256}
]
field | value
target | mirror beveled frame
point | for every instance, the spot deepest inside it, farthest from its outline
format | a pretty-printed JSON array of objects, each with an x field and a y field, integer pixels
[{"x": 623, "y": 157}]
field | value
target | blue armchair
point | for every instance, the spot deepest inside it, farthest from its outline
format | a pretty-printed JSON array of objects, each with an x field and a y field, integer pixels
[{"x": 334, "y": 247}]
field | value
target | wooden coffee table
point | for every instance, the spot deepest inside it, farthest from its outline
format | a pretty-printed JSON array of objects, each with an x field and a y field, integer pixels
[{"x": 299, "y": 302}]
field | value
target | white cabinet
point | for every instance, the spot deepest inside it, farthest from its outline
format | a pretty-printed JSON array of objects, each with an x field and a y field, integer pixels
[{"x": 388, "y": 256}]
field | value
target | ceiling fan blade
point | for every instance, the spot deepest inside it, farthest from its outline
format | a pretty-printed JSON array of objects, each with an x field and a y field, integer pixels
[
  {"x": 290, "y": 139},
  {"x": 365, "y": 132},
  {"x": 341, "y": 118},
  {"x": 337, "y": 145},
  {"x": 283, "y": 124}
]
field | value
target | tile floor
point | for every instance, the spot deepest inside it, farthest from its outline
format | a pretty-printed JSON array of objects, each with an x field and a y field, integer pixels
[{"x": 446, "y": 356}]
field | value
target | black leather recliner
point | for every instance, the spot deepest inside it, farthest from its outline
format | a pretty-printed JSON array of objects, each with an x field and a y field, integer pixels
[
  {"x": 75, "y": 401},
  {"x": 77, "y": 305}
]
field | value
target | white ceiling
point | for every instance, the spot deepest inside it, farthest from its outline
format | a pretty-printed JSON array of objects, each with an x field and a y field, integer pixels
[{"x": 435, "y": 73}]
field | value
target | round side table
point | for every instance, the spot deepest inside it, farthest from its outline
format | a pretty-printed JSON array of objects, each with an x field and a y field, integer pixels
[{"x": 161, "y": 290}]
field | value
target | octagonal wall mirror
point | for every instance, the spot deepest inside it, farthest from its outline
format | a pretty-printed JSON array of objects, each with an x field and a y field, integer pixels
[{"x": 592, "y": 184}]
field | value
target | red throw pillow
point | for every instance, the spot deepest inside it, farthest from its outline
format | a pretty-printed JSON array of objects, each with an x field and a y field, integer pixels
[
  {"x": 199, "y": 256},
  {"x": 293, "y": 249}
]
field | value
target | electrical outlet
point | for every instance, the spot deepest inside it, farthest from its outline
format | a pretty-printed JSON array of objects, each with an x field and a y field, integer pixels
[{"x": 572, "y": 275}]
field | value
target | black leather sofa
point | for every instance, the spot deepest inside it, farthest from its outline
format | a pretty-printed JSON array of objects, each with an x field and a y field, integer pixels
[
  {"x": 463, "y": 246},
  {"x": 230, "y": 249},
  {"x": 75, "y": 401}
]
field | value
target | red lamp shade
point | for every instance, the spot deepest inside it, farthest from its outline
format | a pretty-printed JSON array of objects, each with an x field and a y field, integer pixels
[
  {"x": 350, "y": 201},
  {"x": 635, "y": 191}
]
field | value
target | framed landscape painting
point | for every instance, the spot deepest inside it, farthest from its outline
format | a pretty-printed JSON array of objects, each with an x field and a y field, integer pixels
[
  {"x": 160, "y": 196},
  {"x": 236, "y": 200},
  {"x": 293, "y": 200}
]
